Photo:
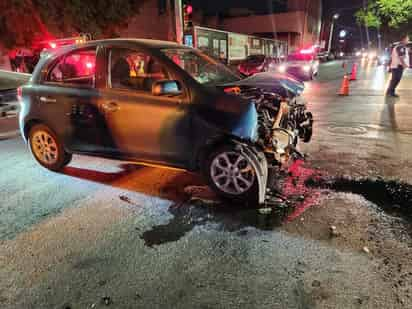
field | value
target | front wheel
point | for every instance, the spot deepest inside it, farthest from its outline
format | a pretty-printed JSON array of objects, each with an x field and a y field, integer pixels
[
  {"x": 47, "y": 148},
  {"x": 231, "y": 175}
]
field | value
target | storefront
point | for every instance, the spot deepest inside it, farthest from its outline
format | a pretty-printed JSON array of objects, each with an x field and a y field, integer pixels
[{"x": 230, "y": 47}]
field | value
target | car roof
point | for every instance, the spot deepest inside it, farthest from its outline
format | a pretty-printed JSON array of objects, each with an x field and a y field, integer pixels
[
  {"x": 145, "y": 43},
  {"x": 142, "y": 43}
]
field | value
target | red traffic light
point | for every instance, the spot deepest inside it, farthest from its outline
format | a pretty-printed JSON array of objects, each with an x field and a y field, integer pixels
[{"x": 189, "y": 9}]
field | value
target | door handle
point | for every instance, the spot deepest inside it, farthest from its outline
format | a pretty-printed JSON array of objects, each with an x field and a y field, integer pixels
[
  {"x": 110, "y": 107},
  {"x": 47, "y": 100}
]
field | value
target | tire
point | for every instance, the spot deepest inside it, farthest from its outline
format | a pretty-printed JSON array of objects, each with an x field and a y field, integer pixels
[
  {"x": 47, "y": 148},
  {"x": 231, "y": 175}
]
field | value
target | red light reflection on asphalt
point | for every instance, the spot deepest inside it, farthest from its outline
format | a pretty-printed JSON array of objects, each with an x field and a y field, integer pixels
[{"x": 294, "y": 186}]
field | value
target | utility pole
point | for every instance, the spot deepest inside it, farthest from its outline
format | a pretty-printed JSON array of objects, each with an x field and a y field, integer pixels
[
  {"x": 368, "y": 40},
  {"x": 174, "y": 12},
  {"x": 335, "y": 17},
  {"x": 361, "y": 35},
  {"x": 307, "y": 6},
  {"x": 379, "y": 39},
  {"x": 178, "y": 21}
]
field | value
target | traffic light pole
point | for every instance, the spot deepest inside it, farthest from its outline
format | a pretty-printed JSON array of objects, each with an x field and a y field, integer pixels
[{"x": 178, "y": 21}]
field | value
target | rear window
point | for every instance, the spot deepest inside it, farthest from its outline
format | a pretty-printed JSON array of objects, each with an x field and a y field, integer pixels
[
  {"x": 76, "y": 68},
  {"x": 255, "y": 58}
]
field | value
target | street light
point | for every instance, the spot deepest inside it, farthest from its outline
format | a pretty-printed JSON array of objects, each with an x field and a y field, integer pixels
[{"x": 335, "y": 17}]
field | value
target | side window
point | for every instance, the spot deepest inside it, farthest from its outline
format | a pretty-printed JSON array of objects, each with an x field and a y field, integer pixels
[
  {"x": 134, "y": 70},
  {"x": 77, "y": 68}
]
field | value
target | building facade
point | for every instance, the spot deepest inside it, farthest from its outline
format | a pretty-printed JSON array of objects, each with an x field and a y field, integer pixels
[{"x": 300, "y": 26}]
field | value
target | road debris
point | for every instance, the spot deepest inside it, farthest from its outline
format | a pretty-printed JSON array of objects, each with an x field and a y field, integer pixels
[
  {"x": 200, "y": 192},
  {"x": 265, "y": 211},
  {"x": 365, "y": 249},
  {"x": 107, "y": 300},
  {"x": 333, "y": 231},
  {"x": 125, "y": 199}
]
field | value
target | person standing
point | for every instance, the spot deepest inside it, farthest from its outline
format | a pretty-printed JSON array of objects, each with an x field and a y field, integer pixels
[{"x": 399, "y": 62}]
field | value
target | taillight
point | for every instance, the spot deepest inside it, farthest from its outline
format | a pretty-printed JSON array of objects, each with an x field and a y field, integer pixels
[{"x": 19, "y": 94}]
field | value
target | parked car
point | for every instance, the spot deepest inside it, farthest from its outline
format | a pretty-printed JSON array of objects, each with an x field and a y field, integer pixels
[
  {"x": 25, "y": 59},
  {"x": 384, "y": 57},
  {"x": 8, "y": 102},
  {"x": 256, "y": 64},
  {"x": 157, "y": 102},
  {"x": 302, "y": 65},
  {"x": 370, "y": 55},
  {"x": 323, "y": 56}
]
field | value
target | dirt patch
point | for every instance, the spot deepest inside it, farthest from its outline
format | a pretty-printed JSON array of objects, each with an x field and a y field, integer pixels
[{"x": 392, "y": 196}]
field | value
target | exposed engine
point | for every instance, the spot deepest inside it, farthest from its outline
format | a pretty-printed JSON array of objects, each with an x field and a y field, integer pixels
[{"x": 282, "y": 122}]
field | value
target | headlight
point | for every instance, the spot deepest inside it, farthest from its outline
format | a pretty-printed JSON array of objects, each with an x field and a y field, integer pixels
[
  {"x": 372, "y": 55},
  {"x": 306, "y": 68},
  {"x": 358, "y": 54},
  {"x": 282, "y": 68},
  {"x": 341, "y": 54}
]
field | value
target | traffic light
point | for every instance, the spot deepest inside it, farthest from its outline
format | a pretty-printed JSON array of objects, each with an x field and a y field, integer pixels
[{"x": 187, "y": 16}]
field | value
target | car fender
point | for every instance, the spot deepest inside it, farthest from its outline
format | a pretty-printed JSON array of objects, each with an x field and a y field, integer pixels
[{"x": 258, "y": 161}]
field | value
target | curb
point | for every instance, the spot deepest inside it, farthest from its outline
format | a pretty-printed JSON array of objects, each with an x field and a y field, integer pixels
[{"x": 8, "y": 135}]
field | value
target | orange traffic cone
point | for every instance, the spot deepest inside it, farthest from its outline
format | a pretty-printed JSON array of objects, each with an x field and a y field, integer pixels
[
  {"x": 344, "y": 90},
  {"x": 354, "y": 71}
]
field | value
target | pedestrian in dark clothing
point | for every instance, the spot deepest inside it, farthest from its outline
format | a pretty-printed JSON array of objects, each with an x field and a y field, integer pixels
[{"x": 399, "y": 62}]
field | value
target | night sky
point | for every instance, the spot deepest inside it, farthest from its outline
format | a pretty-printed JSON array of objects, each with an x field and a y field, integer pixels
[
  {"x": 346, "y": 9},
  {"x": 347, "y": 20}
]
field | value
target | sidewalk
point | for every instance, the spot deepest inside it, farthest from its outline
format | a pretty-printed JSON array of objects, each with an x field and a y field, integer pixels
[{"x": 9, "y": 127}]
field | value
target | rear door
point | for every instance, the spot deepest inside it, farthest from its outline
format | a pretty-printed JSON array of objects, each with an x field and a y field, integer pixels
[
  {"x": 68, "y": 98},
  {"x": 144, "y": 126}
]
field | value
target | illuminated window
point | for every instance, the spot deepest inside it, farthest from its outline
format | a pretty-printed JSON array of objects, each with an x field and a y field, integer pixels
[
  {"x": 76, "y": 68},
  {"x": 134, "y": 70}
]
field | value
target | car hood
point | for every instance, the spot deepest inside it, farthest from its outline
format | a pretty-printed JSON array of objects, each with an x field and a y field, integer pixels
[{"x": 280, "y": 84}]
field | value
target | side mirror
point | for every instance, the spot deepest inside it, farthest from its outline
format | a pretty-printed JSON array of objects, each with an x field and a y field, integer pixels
[{"x": 166, "y": 88}]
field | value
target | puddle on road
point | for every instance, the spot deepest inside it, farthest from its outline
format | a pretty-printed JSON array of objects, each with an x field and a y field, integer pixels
[
  {"x": 229, "y": 218},
  {"x": 297, "y": 197},
  {"x": 395, "y": 198},
  {"x": 301, "y": 189}
]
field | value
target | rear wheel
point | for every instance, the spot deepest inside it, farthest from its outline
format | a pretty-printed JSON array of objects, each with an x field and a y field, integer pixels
[
  {"x": 47, "y": 148},
  {"x": 231, "y": 174}
]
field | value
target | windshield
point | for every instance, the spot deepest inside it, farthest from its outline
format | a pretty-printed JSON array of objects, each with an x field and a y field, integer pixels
[{"x": 202, "y": 68}]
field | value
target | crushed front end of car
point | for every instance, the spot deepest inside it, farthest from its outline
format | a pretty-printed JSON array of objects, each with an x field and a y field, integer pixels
[{"x": 282, "y": 120}]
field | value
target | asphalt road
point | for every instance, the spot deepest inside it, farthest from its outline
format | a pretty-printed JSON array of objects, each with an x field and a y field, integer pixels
[{"x": 117, "y": 233}]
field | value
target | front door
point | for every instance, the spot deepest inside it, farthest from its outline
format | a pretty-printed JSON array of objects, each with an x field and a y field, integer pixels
[{"x": 141, "y": 125}]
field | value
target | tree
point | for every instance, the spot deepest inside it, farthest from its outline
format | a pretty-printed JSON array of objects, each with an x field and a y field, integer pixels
[
  {"x": 392, "y": 13},
  {"x": 21, "y": 21}
]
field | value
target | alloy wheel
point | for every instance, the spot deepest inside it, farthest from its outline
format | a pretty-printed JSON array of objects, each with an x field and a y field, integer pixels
[
  {"x": 45, "y": 147},
  {"x": 232, "y": 173}
]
